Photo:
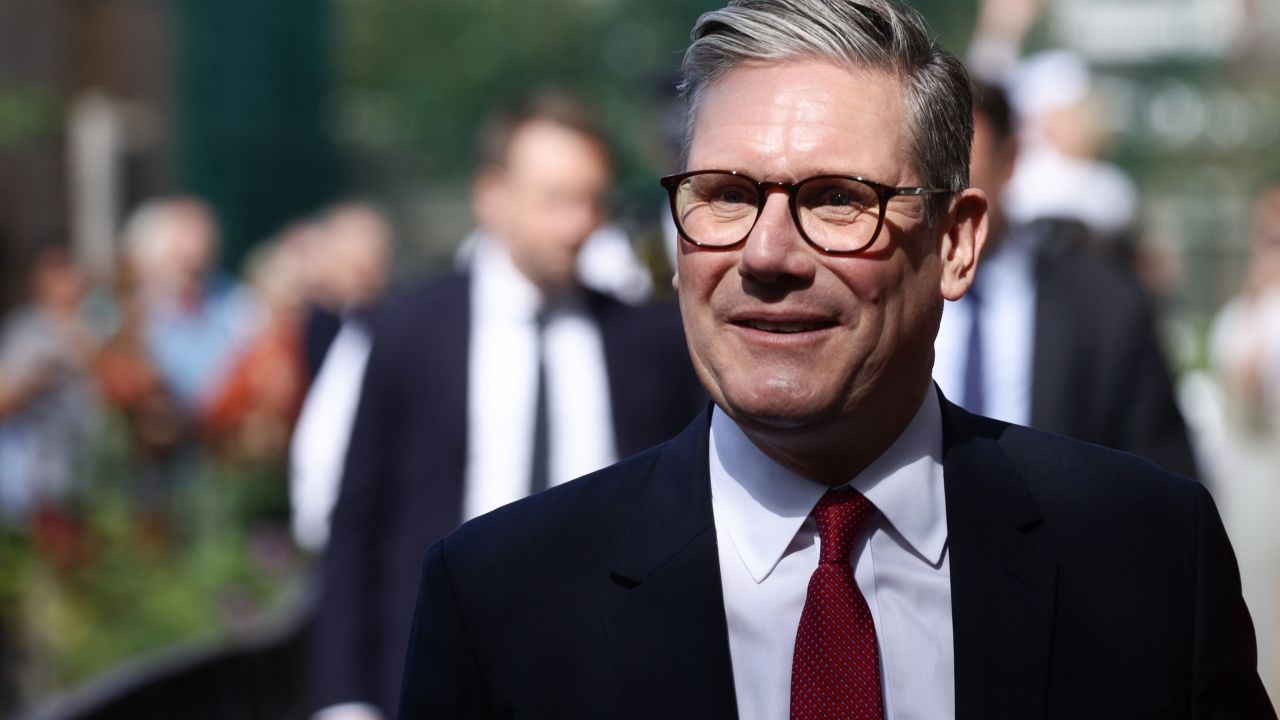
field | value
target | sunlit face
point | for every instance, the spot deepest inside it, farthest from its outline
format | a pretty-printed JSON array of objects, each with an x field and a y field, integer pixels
[
  {"x": 546, "y": 200},
  {"x": 782, "y": 335},
  {"x": 192, "y": 246},
  {"x": 359, "y": 250}
]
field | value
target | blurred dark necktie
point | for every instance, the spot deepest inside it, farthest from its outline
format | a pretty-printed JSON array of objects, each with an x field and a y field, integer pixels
[
  {"x": 540, "y": 463},
  {"x": 975, "y": 392}
]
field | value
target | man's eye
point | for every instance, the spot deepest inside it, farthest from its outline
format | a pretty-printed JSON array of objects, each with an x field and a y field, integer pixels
[
  {"x": 730, "y": 195},
  {"x": 835, "y": 198},
  {"x": 838, "y": 199}
]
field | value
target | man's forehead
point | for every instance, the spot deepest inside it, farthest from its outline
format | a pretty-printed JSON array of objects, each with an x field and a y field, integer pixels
[{"x": 824, "y": 116}]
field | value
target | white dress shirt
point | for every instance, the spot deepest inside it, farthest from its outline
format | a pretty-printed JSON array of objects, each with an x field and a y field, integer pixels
[
  {"x": 503, "y": 380},
  {"x": 1008, "y": 307},
  {"x": 768, "y": 549},
  {"x": 319, "y": 448}
]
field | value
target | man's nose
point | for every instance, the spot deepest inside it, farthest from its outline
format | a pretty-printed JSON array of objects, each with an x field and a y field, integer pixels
[{"x": 775, "y": 250}]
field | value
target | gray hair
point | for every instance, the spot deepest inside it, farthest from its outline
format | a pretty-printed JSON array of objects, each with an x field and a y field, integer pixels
[{"x": 864, "y": 34}]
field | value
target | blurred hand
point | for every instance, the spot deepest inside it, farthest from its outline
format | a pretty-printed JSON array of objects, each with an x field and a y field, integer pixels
[
  {"x": 1264, "y": 267},
  {"x": 41, "y": 379},
  {"x": 349, "y": 712},
  {"x": 1008, "y": 20},
  {"x": 17, "y": 392}
]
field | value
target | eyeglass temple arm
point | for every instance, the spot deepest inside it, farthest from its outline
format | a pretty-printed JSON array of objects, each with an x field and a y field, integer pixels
[{"x": 920, "y": 191}]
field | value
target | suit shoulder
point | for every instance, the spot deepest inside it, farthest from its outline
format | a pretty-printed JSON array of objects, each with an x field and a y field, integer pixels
[
  {"x": 1070, "y": 474},
  {"x": 589, "y": 510},
  {"x": 410, "y": 301},
  {"x": 402, "y": 316},
  {"x": 1099, "y": 281}
]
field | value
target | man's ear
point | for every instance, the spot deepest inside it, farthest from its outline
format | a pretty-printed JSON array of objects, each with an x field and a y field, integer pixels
[
  {"x": 963, "y": 241},
  {"x": 486, "y": 199}
]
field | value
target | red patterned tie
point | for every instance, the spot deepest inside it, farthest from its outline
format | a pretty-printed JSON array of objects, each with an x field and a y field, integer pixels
[{"x": 836, "y": 670}]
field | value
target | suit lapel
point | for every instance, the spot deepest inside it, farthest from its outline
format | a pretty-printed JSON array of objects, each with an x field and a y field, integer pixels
[
  {"x": 1054, "y": 325},
  {"x": 1003, "y": 583},
  {"x": 447, "y": 370},
  {"x": 667, "y": 631},
  {"x": 616, "y": 342}
]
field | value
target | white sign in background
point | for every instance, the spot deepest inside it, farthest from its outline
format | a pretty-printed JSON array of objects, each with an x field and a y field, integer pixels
[{"x": 1140, "y": 31}]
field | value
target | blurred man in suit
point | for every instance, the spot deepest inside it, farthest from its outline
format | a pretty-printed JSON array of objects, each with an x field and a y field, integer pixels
[
  {"x": 833, "y": 539},
  {"x": 1051, "y": 336},
  {"x": 484, "y": 387}
]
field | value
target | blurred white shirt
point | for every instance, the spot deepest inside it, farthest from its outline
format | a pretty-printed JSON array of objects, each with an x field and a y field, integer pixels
[
  {"x": 502, "y": 386},
  {"x": 1008, "y": 307},
  {"x": 319, "y": 447}
]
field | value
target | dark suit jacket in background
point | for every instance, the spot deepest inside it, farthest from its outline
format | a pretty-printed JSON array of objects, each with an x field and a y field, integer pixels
[
  {"x": 1099, "y": 374},
  {"x": 403, "y": 485},
  {"x": 1085, "y": 583},
  {"x": 319, "y": 328}
]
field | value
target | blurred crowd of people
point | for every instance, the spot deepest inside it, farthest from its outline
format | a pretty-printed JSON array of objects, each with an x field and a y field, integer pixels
[{"x": 193, "y": 362}]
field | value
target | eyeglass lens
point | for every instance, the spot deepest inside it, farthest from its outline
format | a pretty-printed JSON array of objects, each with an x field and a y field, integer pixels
[{"x": 719, "y": 209}]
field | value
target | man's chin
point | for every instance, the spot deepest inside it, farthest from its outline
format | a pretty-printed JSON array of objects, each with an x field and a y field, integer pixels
[
  {"x": 557, "y": 283},
  {"x": 775, "y": 415}
]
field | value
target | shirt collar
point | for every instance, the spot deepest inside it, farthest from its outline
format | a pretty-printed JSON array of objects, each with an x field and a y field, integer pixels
[
  {"x": 500, "y": 289},
  {"x": 500, "y": 292},
  {"x": 763, "y": 504}
]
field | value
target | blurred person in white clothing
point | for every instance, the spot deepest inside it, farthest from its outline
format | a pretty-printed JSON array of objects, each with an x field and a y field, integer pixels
[{"x": 1245, "y": 354}]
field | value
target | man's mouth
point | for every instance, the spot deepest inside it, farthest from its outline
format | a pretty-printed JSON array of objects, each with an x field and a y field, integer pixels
[{"x": 785, "y": 327}]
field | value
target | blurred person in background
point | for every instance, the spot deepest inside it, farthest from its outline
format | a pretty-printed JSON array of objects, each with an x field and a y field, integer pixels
[
  {"x": 1051, "y": 336},
  {"x": 350, "y": 269},
  {"x": 195, "y": 319},
  {"x": 47, "y": 400},
  {"x": 1058, "y": 174},
  {"x": 1245, "y": 354},
  {"x": 131, "y": 384},
  {"x": 252, "y": 413},
  {"x": 607, "y": 263},
  {"x": 351, "y": 266},
  {"x": 482, "y": 388}
]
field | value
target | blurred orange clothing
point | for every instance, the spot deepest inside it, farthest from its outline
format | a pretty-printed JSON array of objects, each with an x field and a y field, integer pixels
[{"x": 252, "y": 414}]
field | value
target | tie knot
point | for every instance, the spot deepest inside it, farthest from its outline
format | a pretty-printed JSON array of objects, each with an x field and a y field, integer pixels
[{"x": 841, "y": 515}]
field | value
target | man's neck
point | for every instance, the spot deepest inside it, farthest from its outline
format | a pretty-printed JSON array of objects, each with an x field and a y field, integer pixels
[{"x": 834, "y": 451}]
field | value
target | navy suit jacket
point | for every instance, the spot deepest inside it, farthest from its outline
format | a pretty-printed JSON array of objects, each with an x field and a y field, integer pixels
[
  {"x": 402, "y": 488},
  {"x": 1086, "y": 583},
  {"x": 1098, "y": 371}
]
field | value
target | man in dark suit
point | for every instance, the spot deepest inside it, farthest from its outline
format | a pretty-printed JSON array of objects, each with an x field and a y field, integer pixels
[
  {"x": 833, "y": 539},
  {"x": 482, "y": 387},
  {"x": 1055, "y": 337}
]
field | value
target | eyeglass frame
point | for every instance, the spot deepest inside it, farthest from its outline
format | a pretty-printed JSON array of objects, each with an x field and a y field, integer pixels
[{"x": 884, "y": 193}]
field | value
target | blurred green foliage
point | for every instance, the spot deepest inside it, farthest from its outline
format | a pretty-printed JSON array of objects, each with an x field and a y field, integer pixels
[
  {"x": 25, "y": 113},
  {"x": 119, "y": 576},
  {"x": 418, "y": 77}
]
